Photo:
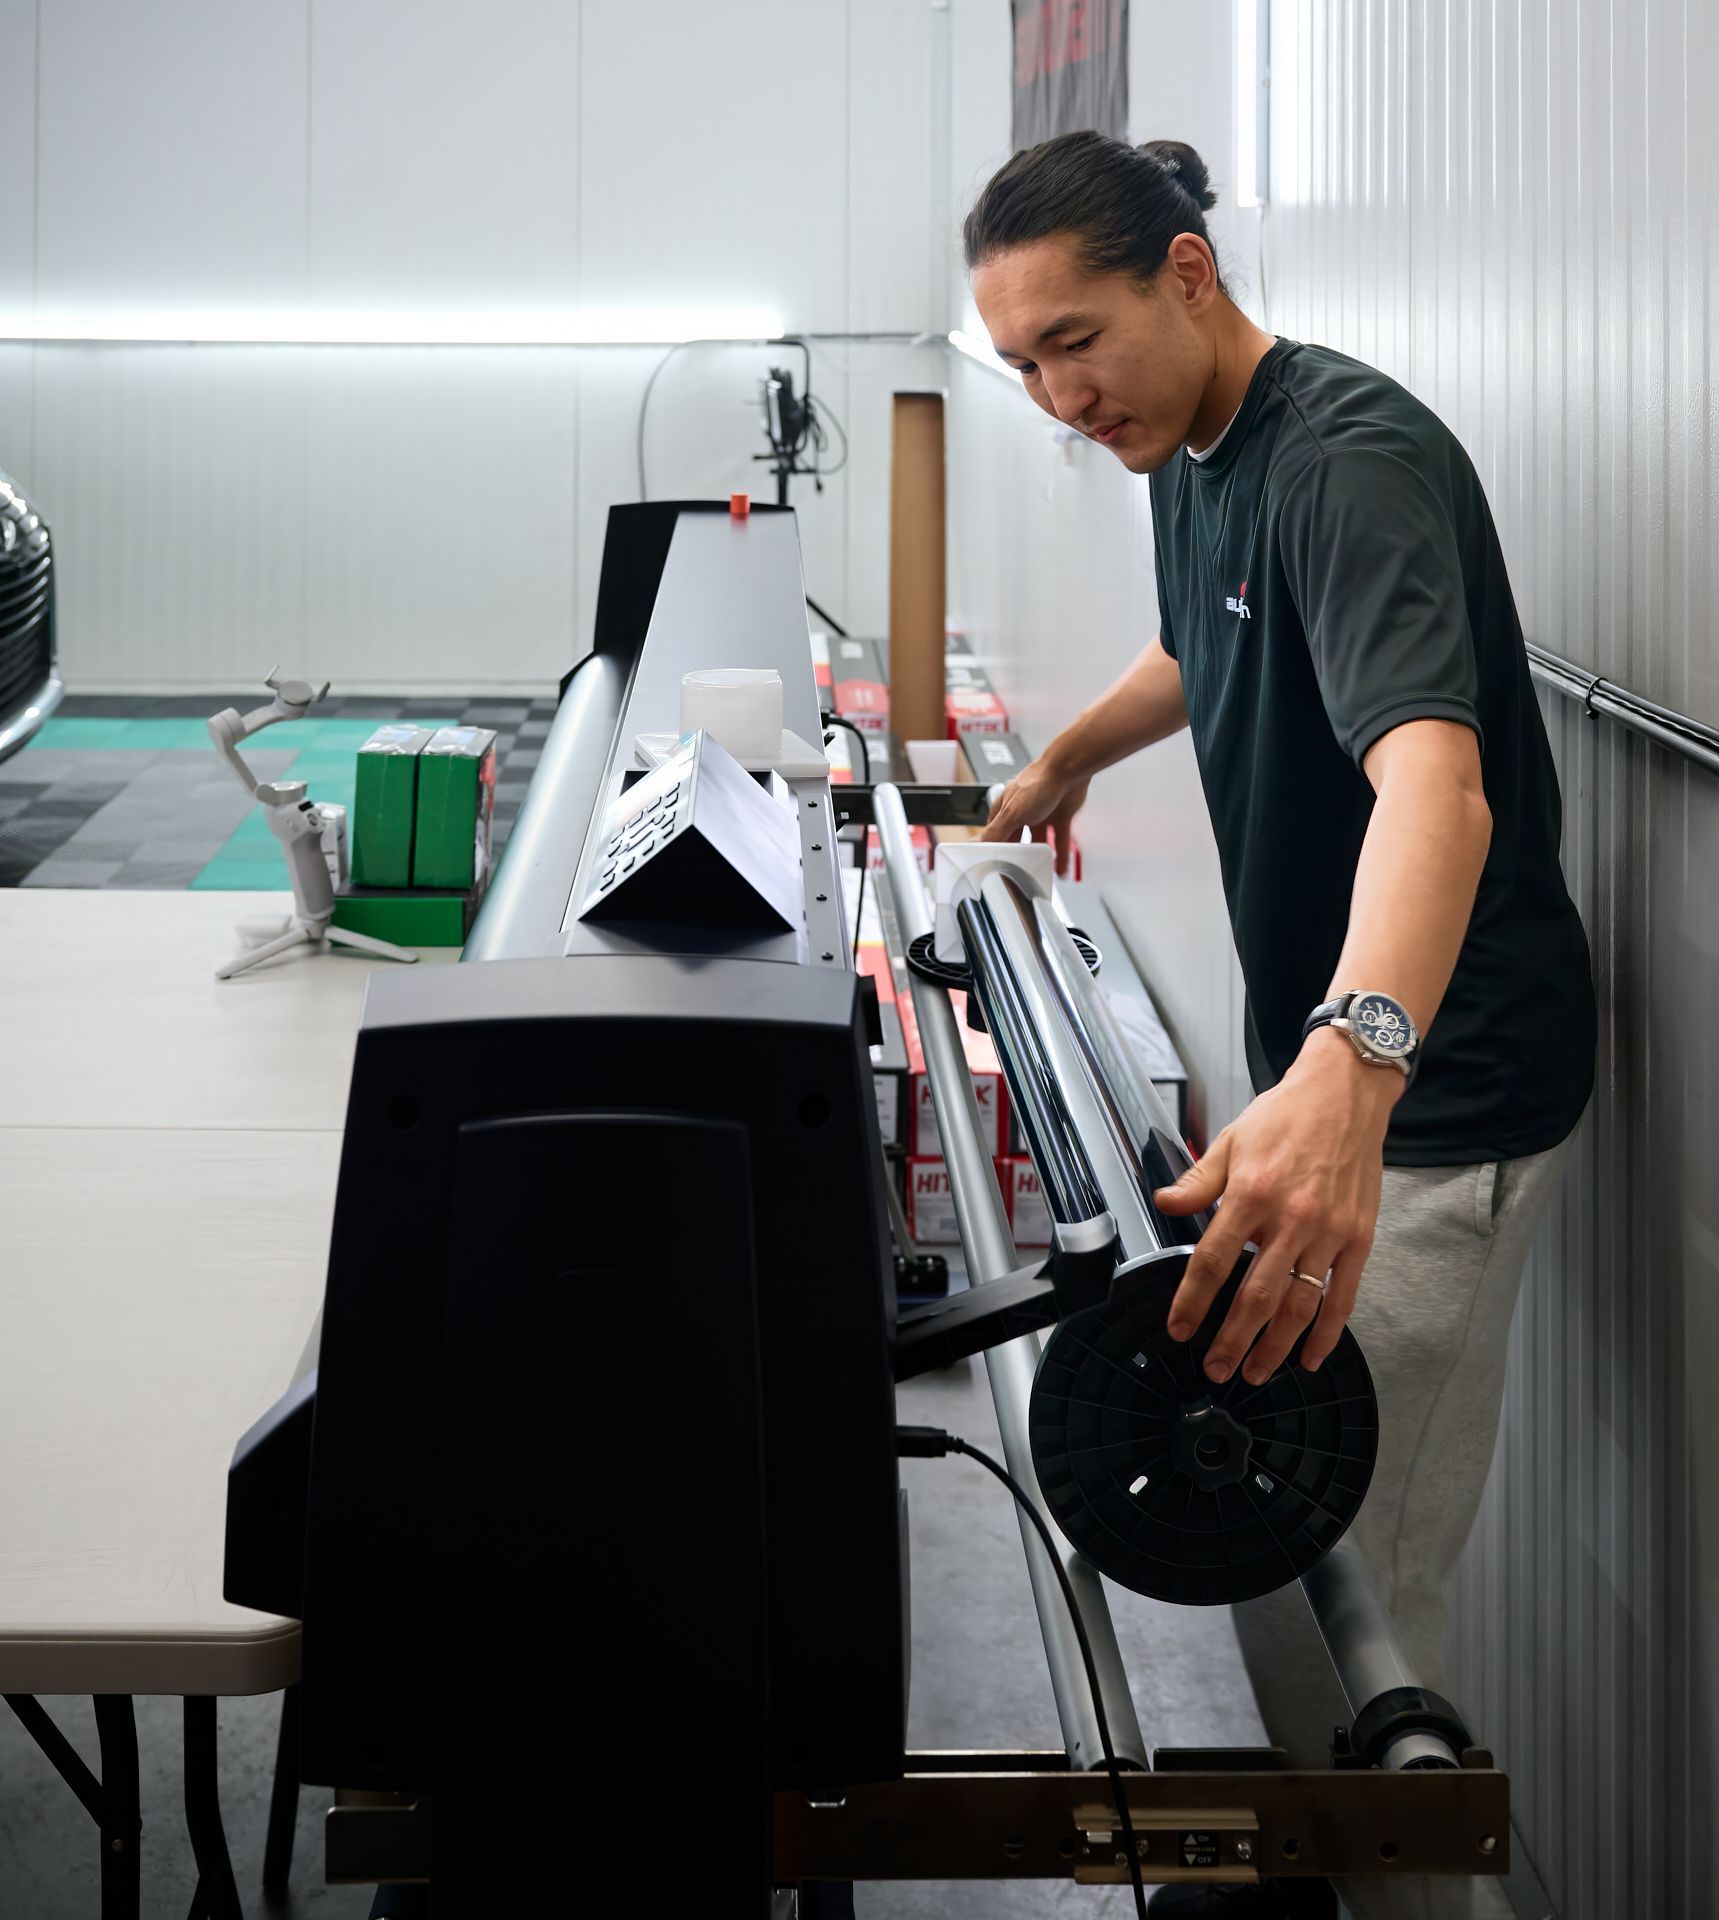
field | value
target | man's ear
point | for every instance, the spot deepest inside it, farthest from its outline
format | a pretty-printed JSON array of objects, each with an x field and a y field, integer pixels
[{"x": 1193, "y": 271}]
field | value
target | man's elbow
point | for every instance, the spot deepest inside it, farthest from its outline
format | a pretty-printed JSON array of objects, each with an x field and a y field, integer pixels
[
  {"x": 1464, "y": 814},
  {"x": 1434, "y": 767},
  {"x": 1476, "y": 824}
]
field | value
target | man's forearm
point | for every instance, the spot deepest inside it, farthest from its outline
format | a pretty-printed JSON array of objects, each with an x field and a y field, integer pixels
[
  {"x": 1144, "y": 705},
  {"x": 1300, "y": 1171},
  {"x": 1419, "y": 869}
]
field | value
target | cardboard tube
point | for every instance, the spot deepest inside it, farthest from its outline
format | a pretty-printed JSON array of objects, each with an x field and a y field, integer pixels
[{"x": 916, "y": 568}]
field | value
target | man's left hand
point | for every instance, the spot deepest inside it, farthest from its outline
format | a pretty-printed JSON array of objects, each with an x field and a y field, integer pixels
[{"x": 1299, "y": 1175}]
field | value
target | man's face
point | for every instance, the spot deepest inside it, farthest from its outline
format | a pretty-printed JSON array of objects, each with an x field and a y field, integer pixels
[{"x": 1126, "y": 365}]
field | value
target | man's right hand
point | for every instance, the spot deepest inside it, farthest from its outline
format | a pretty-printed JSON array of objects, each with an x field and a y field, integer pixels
[{"x": 1044, "y": 799}]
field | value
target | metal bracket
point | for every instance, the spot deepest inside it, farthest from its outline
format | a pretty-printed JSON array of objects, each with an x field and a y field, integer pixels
[
  {"x": 376, "y": 1839},
  {"x": 966, "y": 804},
  {"x": 930, "y": 1337},
  {"x": 992, "y": 1816}
]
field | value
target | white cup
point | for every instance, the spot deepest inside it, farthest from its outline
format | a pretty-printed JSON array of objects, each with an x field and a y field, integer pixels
[{"x": 739, "y": 707}]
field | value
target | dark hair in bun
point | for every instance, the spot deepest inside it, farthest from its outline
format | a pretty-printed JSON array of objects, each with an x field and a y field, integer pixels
[
  {"x": 1187, "y": 166},
  {"x": 1123, "y": 204}
]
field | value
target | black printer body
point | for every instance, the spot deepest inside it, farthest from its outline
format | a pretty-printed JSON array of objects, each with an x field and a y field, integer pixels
[{"x": 601, "y": 1475}]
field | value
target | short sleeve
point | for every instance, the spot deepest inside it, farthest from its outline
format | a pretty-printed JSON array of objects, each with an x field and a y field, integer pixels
[
  {"x": 1166, "y": 631},
  {"x": 1371, "y": 559}
]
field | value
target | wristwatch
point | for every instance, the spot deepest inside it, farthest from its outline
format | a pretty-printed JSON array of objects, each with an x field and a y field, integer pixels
[{"x": 1378, "y": 1028}]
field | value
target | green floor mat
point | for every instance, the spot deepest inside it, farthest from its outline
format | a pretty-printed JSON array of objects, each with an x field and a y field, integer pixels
[{"x": 252, "y": 858}]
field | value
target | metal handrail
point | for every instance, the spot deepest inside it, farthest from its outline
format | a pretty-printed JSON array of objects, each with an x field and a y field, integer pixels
[{"x": 1692, "y": 739}]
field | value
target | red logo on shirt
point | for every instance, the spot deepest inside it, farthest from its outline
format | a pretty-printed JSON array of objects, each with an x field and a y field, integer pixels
[{"x": 1237, "y": 603}]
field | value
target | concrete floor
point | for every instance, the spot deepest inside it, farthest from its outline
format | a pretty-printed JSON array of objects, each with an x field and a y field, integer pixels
[
  {"x": 979, "y": 1675},
  {"x": 49, "y": 1865},
  {"x": 978, "y": 1680}
]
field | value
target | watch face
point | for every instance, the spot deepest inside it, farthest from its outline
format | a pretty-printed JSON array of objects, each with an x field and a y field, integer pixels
[{"x": 1382, "y": 1025}]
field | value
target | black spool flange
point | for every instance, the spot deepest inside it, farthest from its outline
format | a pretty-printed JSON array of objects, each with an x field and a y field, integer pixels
[
  {"x": 958, "y": 977},
  {"x": 1185, "y": 1490}
]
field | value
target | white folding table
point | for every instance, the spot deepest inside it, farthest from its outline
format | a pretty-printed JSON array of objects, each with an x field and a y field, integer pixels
[{"x": 169, "y": 1146}]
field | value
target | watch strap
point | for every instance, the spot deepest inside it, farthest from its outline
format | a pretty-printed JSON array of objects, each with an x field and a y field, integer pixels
[
  {"x": 1324, "y": 1014},
  {"x": 1337, "y": 1007}
]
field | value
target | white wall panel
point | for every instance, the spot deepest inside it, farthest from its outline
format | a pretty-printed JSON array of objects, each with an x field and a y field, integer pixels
[
  {"x": 176, "y": 481},
  {"x": 376, "y": 153},
  {"x": 172, "y": 154},
  {"x": 17, "y": 153},
  {"x": 443, "y": 160},
  {"x": 713, "y": 157},
  {"x": 1051, "y": 573},
  {"x": 889, "y": 74},
  {"x": 439, "y": 516},
  {"x": 17, "y": 409},
  {"x": 704, "y": 424},
  {"x": 1051, "y": 564}
]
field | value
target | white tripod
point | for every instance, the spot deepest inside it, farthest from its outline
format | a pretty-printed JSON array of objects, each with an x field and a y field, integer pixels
[{"x": 297, "y": 824}]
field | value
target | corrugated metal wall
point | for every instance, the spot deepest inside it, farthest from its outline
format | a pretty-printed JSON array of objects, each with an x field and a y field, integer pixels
[{"x": 1510, "y": 208}]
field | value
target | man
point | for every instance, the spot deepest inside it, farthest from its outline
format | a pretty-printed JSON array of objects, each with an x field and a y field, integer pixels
[{"x": 1336, "y": 627}]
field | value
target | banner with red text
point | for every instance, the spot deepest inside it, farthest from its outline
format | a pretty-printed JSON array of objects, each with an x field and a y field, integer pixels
[{"x": 1071, "y": 68}]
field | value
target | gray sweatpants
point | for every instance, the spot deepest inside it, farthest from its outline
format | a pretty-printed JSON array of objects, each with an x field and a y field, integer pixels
[{"x": 1433, "y": 1318}]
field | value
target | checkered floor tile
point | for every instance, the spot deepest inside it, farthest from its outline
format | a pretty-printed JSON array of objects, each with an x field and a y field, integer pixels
[{"x": 123, "y": 791}]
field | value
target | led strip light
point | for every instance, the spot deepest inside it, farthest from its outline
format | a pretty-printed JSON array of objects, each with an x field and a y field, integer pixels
[
  {"x": 980, "y": 350},
  {"x": 376, "y": 327}
]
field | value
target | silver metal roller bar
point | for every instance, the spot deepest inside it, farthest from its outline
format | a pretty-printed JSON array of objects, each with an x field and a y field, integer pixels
[
  {"x": 1365, "y": 1647},
  {"x": 989, "y": 1251},
  {"x": 1123, "y": 1125},
  {"x": 1011, "y": 911}
]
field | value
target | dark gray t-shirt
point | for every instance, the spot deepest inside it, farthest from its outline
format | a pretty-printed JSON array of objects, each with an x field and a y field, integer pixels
[{"x": 1331, "y": 571}]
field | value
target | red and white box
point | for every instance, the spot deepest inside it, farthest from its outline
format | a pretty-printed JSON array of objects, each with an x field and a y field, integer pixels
[
  {"x": 1029, "y": 1216},
  {"x": 889, "y": 1077},
  {"x": 988, "y": 1086},
  {"x": 859, "y": 685},
  {"x": 973, "y": 710},
  {"x": 930, "y": 1204},
  {"x": 988, "y": 1091},
  {"x": 922, "y": 845}
]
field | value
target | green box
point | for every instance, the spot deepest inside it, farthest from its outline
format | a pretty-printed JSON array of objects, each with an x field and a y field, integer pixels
[
  {"x": 410, "y": 917},
  {"x": 456, "y": 804},
  {"x": 385, "y": 805}
]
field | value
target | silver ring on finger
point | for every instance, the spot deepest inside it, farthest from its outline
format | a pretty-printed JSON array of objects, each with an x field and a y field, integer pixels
[{"x": 1312, "y": 1279}]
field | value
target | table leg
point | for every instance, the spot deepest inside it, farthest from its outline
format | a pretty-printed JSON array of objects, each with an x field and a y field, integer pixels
[
  {"x": 217, "y": 1896},
  {"x": 66, "y": 1760},
  {"x": 283, "y": 1803},
  {"x": 121, "y": 1815}
]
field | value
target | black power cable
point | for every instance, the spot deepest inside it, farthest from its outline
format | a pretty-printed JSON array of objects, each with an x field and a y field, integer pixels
[
  {"x": 829, "y": 620},
  {"x": 931, "y": 1443},
  {"x": 680, "y": 346}
]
